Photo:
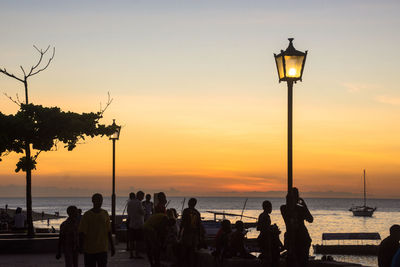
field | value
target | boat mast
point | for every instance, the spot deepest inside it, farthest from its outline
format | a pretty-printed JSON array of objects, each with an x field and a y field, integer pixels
[{"x": 365, "y": 192}]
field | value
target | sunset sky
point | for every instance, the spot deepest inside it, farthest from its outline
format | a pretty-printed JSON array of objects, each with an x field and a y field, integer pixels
[{"x": 196, "y": 91}]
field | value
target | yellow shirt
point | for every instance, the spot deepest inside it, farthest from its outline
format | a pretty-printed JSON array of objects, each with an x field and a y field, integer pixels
[{"x": 95, "y": 227}]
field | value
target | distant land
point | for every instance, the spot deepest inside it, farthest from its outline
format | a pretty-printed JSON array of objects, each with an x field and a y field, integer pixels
[{"x": 13, "y": 190}]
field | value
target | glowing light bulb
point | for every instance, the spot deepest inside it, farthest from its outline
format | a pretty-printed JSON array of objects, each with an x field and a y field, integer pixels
[{"x": 292, "y": 72}]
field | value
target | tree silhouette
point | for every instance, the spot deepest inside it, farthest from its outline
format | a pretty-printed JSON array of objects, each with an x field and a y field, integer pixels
[{"x": 39, "y": 128}]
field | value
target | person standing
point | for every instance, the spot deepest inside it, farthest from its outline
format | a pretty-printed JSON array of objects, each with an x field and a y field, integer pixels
[
  {"x": 192, "y": 233},
  {"x": 296, "y": 229},
  {"x": 389, "y": 247},
  {"x": 129, "y": 245},
  {"x": 95, "y": 234},
  {"x": 265, "y": 238},
  {"x": 155, "y": 232},
  {"x": 136, "y": 221},
  {"x": 19, "y": 220},
  {"x": 160, "y": 206},
  {"x": 148, "y": 207},
  {"x": 68, "y": 242}
]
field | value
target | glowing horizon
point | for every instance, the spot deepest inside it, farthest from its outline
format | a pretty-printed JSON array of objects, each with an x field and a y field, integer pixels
[{"x": 196, "y": 91}]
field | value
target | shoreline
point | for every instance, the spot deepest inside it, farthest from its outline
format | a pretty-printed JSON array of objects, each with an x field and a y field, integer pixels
[{"x": 36, "y": 216}]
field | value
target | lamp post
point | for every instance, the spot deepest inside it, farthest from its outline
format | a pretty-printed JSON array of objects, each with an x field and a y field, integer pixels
[
  {"x": 290, "y": 65},
  {"x": 114, "y": 137}
]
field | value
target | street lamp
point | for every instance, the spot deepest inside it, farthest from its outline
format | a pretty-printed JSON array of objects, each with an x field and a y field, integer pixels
[
  {"x": 290, "y": 66},
  {"x": 114, "y": 137}
]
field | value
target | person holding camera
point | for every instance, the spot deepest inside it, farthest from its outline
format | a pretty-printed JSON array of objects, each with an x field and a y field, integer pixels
[{"x": 296, "y": 230}]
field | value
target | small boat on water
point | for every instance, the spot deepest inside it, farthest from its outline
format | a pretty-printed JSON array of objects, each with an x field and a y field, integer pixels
[
  {"x": 212, "y": 226},
  {"x": 363, "y": 211}
]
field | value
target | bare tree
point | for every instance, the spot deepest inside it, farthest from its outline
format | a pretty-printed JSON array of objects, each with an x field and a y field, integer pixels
[{"x": 35, "y": 69}]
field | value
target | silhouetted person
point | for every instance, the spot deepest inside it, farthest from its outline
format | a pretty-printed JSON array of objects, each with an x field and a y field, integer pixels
[
  {"x": 222, "y": 242},
  {"x": 79, "y": 216},
  {"x": 68, "y": 242},
  {"x": 171, "y": 240},
  {"x": 191, "y": 233},
  {"x": 236, "y": 242},
  {"x": 155, "y": 230},
  {"x": 129, "y": 244},
  {"x": 19, "y": 220},
  {"x": 297, "y": 229},
  {"x": 265, "y": 237},
  {"x": 389, "y": 247},
  {"x": 396, "y": 259},
  {"x": 148, "y": 207},
  {"x": 162, "y": 201},
  {"x": 95, "y": 234},
  {"x": 136, "y": 220}
]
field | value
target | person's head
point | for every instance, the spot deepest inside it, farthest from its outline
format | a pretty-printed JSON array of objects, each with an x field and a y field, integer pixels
[
  {"x": 148, "y": 197},
  {"x": 239, "y": 225},
  {"x": 267, "y": 206},
  {"x": 140, "y": 195},
  {"x": 171, "y": 214},
  {"x": 132, "y": 195},
  {"x": 226, "y": 226},
  {"x": 192, "y": 203},
  {"x": 295, "y": 194},
  {"x": 162, "y": 198},
  {"x": 97, "y": 200},
  {"x": 395, "y": 231},
  {"x": 18, "y": 210},
  {"x": 72, "y": 211}
]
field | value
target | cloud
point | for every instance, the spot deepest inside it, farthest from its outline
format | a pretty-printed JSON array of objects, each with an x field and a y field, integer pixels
[
  {"x": 385, "y": 99},
  {"x": 356, "y": 87}
]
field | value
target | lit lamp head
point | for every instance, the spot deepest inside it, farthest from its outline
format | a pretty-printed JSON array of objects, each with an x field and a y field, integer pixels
[
  {"x": 115, "y": 135},
  {"x": 290, "y": 63}
]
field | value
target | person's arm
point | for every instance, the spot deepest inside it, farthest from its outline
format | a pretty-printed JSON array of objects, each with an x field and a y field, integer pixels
[
  {"x": 109, "y": 234},
  {"x": 111, "y": 243},
  {"x": 307, "y": 216},
  {"x": 60, "y": 243},
  {"x": 82, "y": 230}
]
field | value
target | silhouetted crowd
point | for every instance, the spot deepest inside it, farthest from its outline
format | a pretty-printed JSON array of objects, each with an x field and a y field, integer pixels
[{"x": 160, "y": 233}]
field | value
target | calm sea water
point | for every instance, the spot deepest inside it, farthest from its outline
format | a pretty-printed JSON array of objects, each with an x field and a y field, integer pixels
[{"x": 330, "y": 215}]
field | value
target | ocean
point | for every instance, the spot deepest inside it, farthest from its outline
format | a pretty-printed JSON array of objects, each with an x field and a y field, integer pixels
[{"x": 330, "y": 215}]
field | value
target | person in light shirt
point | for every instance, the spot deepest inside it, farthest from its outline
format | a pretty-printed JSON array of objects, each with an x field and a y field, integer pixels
[
  {"x": 19, "y": 219},
  {"x": 136, "y": 221}
]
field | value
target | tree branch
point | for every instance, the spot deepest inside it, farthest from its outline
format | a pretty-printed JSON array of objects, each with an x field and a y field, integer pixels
[
  {"x": 17, "y": 102},
  {"x": 4, "y": 71},
  {"x": 37, "y": 154},
  {"x": 42, "y": 53},
  {"x": 23, "y": 70},
  {"x": 109, "y": 101}
]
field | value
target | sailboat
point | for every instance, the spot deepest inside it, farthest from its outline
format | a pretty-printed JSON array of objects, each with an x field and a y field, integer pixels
[{"x": 363, "y": 211}]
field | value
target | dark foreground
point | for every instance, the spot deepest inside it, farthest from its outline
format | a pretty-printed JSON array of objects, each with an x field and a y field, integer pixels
[{"x": 121, "y": 258}]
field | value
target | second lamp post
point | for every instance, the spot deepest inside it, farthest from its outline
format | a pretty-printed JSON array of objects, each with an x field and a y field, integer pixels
[{"x": 114, "y": 137}]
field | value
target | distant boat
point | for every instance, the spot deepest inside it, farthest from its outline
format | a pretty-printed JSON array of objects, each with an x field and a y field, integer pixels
[{"x": 363, "y": 211}]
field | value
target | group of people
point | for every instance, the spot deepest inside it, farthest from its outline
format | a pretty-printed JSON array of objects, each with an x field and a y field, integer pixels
[
  {"x": 16, "y": 223},
  {"x": 156, "y": 230},
  {"x": 229, "y": 244},
  {"x": 153, "y": 228},
  {"x": 89, "y": 234},
  {"x": 157, "y": 227}
]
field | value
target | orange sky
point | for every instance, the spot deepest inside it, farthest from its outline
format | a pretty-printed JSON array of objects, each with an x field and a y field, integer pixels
[{"x": 195, "y": 89}]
